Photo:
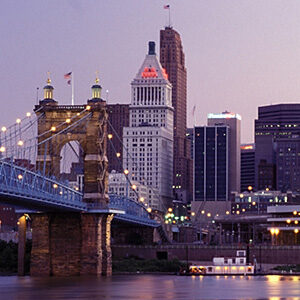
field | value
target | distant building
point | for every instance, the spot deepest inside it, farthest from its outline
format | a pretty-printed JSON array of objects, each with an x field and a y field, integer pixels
[
  {"x": 149, "y": 137},
  {"x": 8, "y": 218},
  {"x": 119, "y": 185},
  {"x": 190, "y": 137},
  {"x": 283, "y": 224},
  {"x": 275, "y": 123},
  {"x": 258, "y": 202},
  {"x": 247, "y": 167},
  {"x": 233, "y": 121},
  {"x": 211, "y": 163},
  {"x": 288, "y": 164},
  {"x": 118, "y": 118},
  {"x": 172, "y": 60}
]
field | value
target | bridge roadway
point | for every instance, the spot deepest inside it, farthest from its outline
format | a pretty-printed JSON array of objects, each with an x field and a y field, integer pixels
[{"x": 32, "y": 192}]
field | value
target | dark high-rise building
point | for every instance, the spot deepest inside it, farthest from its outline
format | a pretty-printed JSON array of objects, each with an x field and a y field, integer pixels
[
  {"x": 172, "y": 60},
  {"x": 288, "y": 164},
  {"x": 233, "y": 121},
  {"x": 275, "y": 123},
  {"x": 247, "y": 167},
  {"x": 118, "y": 117},
  {"x": 211, "y": 163}
]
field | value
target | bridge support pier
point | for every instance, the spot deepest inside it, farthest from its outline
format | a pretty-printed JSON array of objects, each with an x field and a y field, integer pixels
[
  {"x": 71, "y": 244},
  {"x": 21, "y": 245}
]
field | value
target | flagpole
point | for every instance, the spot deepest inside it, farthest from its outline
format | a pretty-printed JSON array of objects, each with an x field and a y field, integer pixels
[
  {"x": 72, "y": 81},
  {"x": 169, "y": 16}
]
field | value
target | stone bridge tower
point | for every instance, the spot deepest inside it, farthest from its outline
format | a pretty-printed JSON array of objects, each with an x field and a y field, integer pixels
[{"x": 69, "y": 243}]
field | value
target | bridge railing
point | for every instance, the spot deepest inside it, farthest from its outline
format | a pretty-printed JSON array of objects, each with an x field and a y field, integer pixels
[
  {"x": 130, "y": 206},
  {"x": 20, "y": 182}
]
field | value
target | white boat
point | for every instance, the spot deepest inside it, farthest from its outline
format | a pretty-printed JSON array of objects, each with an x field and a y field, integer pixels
[{"x": 225, "y": 266}]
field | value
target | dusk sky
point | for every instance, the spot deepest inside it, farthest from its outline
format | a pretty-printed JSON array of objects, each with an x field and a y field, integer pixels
[{"x": 240, "y": 54}]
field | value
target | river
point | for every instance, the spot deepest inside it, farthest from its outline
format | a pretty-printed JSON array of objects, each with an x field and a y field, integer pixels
[{"x": 160, "y": 287}]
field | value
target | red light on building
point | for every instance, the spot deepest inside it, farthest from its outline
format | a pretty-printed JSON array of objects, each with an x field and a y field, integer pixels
[
  {"x": 164, "y": 73},
  {"x": 247, "y": 147},
  {"x": 149, "y": 73}
]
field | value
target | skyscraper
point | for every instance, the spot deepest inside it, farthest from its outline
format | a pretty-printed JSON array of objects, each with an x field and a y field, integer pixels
[
  {"x": 276, "y": 125},
  {"x": 247, "y": 167},
  {"x": 233, "y": 121},
  {"x": 149, "y": 137},
  {"x": 211, "y": 163},
  {"x": 172, "y": 59}
]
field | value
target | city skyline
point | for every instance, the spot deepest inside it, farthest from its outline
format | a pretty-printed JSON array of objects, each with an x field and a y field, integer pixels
[{"x": 239, "y": 55}]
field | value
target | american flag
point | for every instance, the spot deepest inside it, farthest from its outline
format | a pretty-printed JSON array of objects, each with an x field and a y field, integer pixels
[{"x": 68, "y": 75}]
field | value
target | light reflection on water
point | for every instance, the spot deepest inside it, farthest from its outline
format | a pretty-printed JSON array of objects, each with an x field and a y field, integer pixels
[{"x": 273, "y": 287}]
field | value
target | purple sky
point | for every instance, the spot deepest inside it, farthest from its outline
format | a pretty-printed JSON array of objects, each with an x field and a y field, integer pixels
[{"x": 239, "y": 53}]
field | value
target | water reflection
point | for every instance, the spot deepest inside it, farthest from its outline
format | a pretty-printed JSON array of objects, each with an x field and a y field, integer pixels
[{"x": 152, "y": 287}]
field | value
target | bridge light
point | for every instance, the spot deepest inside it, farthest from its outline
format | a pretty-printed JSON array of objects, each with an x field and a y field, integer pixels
[
  {"x": 209, "y": 215},
  {"x": 133, "y": 187},
  {"x": 296, "y": 222},
  {"x": 28, "y": 114},
  {"x": 20, "y": 176},
  {"x": 149, "y": 209},
  {"x": 126, "y": 172},
  {"x": 20, "y": 143},
  {"x": 76, "y": 188},
  {"x": 142, "y": 199},
  {"x": 296, "y": 230},
  {"x": 118, "y": 154},
  {"x": 68, "y": 121},
  {"x": 295, "y": 212},
  {"x": 288, "y": 221},
  {"x": 53, "y": 128},
  {"x": 2, "y": 149},
  {"x": 55, "y": 185},
  {"x": 203, "y": 212},
  {"x": 3, "y": 128},
  {"x": 110, "y": 136},
  {"x": 88, "y": 107},
  {"x": 18, "y": 121}
]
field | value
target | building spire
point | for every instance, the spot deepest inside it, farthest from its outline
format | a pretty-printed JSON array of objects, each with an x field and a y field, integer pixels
[
  {"x": 96, "y": 88},
  {"x": 48, "y": 89}
]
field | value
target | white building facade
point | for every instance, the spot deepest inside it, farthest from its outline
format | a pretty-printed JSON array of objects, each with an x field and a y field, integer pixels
[
  {"x": 119, "y": 185},
  {"x": 149, "y": 137}
]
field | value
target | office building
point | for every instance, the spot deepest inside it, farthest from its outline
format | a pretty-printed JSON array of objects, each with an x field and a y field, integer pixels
[
  {"x": 173, "y": 61},
  {"x": 233, "y": 121},
  {"x": 275, "y": 123},
  {"x": 119, "y": 185},
  {"x": 211, "y": 163},
  {"x": 149, "y": 137},
  {"x": 247, "y": 167},
  {"x": 288, "y": 164}
]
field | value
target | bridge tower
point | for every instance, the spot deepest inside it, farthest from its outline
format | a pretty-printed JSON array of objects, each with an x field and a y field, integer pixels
[{"x": 68, "y": 243}]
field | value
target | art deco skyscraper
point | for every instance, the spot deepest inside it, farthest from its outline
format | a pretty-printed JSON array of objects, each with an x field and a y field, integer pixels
[
  {"x": 172, "y": 60},
  {"x": 149, "y": 136}
]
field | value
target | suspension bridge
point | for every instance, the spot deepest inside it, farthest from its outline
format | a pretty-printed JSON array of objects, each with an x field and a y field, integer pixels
[{"x": 70, "y": 227}]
